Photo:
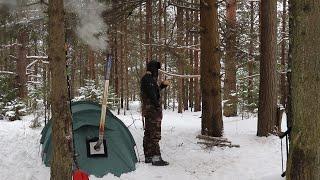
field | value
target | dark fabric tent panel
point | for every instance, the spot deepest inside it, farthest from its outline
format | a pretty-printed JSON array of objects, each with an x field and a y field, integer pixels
[
  {"x": 120, "y": 143},
  {"x": 84, "y": 105},
  {"x": 120, "y": 158},
  {"x": 44, "y": 131}
]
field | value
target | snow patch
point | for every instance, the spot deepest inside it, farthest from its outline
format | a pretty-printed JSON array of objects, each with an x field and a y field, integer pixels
[{"x": 256, "y": 159}]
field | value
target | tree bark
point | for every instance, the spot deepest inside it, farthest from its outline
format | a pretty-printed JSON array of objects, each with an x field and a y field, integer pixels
[
  {"x": 212, "y": 124},
  {"x": 189, "y": 40},
  {"x": 283, "y": 81},
  {"x": 180, "y": 95},
  {"x": 230, "y": 86},
  {"x": 121, "y": 67},
  {"x": 268, "y": 91},
  {"x": 160, "y": 55},
  {"x": 61, "y": 166},
  {"x": 251, "y": 55},
  {"x": 126, "y": 64},
  {"x": 304, "y": 156},
  {"x": 91, "y": 64},
  {"x": 197, "y": 96},
  {"x": 22, "y": 63},
  {"x": 166, "y": 90},
  {"x": 148, "y": 30}
]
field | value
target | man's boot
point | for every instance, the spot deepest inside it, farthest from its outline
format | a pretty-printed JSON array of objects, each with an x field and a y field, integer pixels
[
  {"x": 148, "y": 159},
  {"x": 158, "y": 161}
]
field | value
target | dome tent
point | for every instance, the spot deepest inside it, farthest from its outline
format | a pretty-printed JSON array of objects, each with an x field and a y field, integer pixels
[{"x": 120, "y": 143}]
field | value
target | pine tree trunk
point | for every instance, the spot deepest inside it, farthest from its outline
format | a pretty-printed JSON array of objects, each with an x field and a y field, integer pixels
[
  {"x": 180, "y": 95},
  {"x": 121, "y": 67},
  {"x": 212, "y": 124},
  {"x": 189, "y": 40},
  {"x": 268, "y": 83},
  {"x": 61, "y": 165},
  {"x": 126, "y": 64},
  {"x": 117, "y": 66},
  {"x": 141, "y": 40},
  {"x": 22, "y": 63},
  {"x": 74, "y": 74},
  {"x": 251, "y": 55},
  {"x": 165, "y": 92},
  {"x": 197, "y": 98},
  {"x": 304, "y": 156},
  {"x": 91, "y": 64},
  {"x": 148, "y": 30},
  {"x": 230, "y": 86},
  {"x": 160, "y": 56},
  {"x": 81, "y": 67},
  {"x": 283, "y": 82}
]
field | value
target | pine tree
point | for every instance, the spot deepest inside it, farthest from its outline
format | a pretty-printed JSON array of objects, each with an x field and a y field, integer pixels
[
  {"x": 268, "y": 90},
  {"x": 283, "y": 82},
  {"x": 148, "y": 30},
  {"x": 22, "y": 63},
  {"x": 212, "y": 124},
  {"x": 230, "y": 86},
  {"x": 304, "y": 156},
  {"x": 251, "y": 55},
  {"x": 61, "y": 165},
  {"x": 197, "y": 93},
  {"x": 180, "y": 63}
]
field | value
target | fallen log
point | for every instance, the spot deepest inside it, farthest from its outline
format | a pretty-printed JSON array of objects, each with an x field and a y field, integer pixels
[
  {"x": 210, "y": 138},
  {"x": 209, "y": 142}
]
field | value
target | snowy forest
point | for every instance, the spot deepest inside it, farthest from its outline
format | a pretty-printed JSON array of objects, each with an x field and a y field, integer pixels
[{"x": 159, "y": 89}]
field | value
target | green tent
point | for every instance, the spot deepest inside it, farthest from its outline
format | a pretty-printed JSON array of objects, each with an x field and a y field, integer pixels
[{"x": 120, "y": 143}]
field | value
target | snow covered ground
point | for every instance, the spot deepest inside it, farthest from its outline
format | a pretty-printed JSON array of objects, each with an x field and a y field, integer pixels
[{"x": 257, "y": 158}]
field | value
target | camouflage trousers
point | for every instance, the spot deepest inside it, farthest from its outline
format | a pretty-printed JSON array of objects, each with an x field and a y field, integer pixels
[{"x": 152, "y": 135}]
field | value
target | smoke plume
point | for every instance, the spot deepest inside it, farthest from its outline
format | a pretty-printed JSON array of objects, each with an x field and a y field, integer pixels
[{"x": 91, "y": 28}]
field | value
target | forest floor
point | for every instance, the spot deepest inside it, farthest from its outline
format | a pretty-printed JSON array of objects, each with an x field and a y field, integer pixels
[{"x": 257, "y": 158}]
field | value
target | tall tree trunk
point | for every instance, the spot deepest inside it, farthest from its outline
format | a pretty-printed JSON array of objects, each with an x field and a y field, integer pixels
[
  {"x": 304, "y": 156},
  {"x": 148, "y": 30},
  {"x": 91, "y": 64},
  {"x": 268, "y": 91},
  {"x": 197, "y": 96},
  {"x": 166, "y": 90},
  {"x": 117, "y": 65},
  {"x": 74, "y": 72},
  {"x": 61, "y": 165},
  {"x": 22, "y": 63},
  {"x": 230, "y": 86},
  {"x": 283, "y": 82},
  {"x": 121, "y": 67},
  {"x": 251, "y": 55},
  {"x": 81, "y": 67},
  {"x": 212, "y": 124},
  {"x": 160, "y": 56},
  {"x": 126, "y": 64},
  {"x": 189, "y": 40},
  {"x": 141, "y": 40},
  {"x": 180, "y": 95}
]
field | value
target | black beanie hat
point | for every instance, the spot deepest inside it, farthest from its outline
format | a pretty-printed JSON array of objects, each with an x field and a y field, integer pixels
[{"x": 153, "y": 67}]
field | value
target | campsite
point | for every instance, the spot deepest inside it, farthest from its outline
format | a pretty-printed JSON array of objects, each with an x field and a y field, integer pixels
[{"x": 159, "y": 89}]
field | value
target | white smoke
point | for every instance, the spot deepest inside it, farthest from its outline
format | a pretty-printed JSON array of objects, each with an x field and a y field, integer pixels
[{"x": 91, "y": 28}]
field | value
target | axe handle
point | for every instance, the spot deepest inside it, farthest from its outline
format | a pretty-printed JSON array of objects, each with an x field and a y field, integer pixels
[{"x": 104, "y": 103}]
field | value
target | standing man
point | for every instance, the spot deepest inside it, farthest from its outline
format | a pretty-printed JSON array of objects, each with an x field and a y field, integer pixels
[{"x": 152, "y": 111}]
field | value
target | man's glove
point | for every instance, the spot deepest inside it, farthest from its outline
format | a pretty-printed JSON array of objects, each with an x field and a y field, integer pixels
[{"x": 164, "y": 84}]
